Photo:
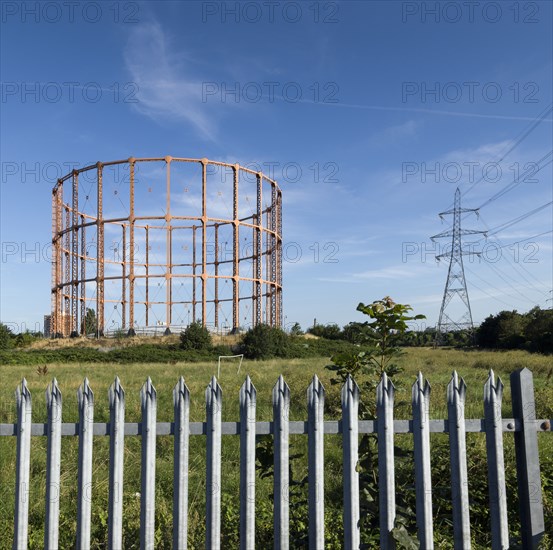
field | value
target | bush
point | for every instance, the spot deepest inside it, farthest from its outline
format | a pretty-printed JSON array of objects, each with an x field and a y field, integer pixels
[
  {"x": 25, "y": 339},
  {"x": 296, "y": 330},
  {"x": 265, "y": 342},
  {"x": 6, "y": 337},
  {"x": 196, "y": 337},
  {"x": 331, "y": 331}
]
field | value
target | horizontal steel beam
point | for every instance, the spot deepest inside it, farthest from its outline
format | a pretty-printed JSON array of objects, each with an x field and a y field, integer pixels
[{"x": 266, "y": 428}]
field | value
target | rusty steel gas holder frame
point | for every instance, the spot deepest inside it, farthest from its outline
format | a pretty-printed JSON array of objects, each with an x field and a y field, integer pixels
[{"x": 81, "y": 270}]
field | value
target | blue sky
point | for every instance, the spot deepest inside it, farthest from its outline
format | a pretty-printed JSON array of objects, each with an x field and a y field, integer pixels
[{"x": 384, "y": 107}]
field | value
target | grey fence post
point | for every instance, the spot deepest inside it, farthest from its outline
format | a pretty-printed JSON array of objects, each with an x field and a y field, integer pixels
[
  {"x": 493, "y": 394},
  {"x": 456, "y": 394},
  {"x": 53, "y": 463},
  {"x": 116, "y": 461},
  {"x": 315, "y": 445},
  {"x": 281, "y": 407},
  {"x": 247, "y": 465},
  {"x": 350, "y": 434},
  {"x": 24, "y": 408},
  {"x": 148, "y": 400},
  {"x": 386, "y": 473},
  {"x": 420, "y": 396},
  {"x": 527, "y": 458},
  {"x": 213, "y": 404},
  {"x": 85, "y": 399},
  {"x": 181, "y": 406}
]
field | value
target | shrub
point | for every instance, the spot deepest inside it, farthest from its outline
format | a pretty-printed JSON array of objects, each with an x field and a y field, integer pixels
[
  {"x": 264, "y": 342},
  {"x": 388, "y": 320},
  {"x": 195, "y": 337},
  {"x": 296, "y": 330},
  {"x": 25, "y": 339},
  {"x": 6, "y": 337},
  {"x": 331, "y": 331}
]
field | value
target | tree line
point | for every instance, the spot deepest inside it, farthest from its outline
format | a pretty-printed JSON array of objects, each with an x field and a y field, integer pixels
[{"x": 532, "y": 331}]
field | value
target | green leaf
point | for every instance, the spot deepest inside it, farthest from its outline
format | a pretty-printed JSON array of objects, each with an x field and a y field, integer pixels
[{"x": 404, "y": 539}]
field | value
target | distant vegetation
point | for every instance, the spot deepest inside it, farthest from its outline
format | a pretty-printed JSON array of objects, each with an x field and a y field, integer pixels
[
  {"x": 531, "y": 331},
  {"x": 195, "y": 344}
]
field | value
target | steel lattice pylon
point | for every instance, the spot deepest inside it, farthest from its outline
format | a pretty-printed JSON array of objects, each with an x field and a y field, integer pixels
[{"x": 456, "y": 284}]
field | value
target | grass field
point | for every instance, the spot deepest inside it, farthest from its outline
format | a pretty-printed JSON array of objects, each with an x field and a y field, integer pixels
[{"x": 436, "y": 365}]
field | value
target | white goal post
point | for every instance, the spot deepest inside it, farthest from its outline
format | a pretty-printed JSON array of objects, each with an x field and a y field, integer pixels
[{"x": 241, "y": 355}]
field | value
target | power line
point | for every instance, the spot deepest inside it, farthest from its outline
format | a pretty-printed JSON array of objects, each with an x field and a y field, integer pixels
[
  {"x": 518, "y": 264},
  {"x": 514, "y": 221},
  {"x": 518, "y": 140},
  {"x": 472, "y": 283},
  {"x": 501, "y": 275},
  {"x": 504, "y": 279},
  {"x": 527, "y": 239},
  {"x": 517, "y": 181}
]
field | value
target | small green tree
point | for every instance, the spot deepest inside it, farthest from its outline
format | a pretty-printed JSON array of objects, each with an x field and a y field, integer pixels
[
  {"x": 356, "y": 333},
  {"x": 504, "y": 330},
  {"x": 264, "y": 342},
  {"x": 296, "y": 330},
  {"x": 539, "y": 330},
  {"x": 6, "y": 337},
  {"x": 90, "y": 322},
  {"x": 195, "y": 337},
  {"x": 25, "y": 339},
  {"x": 389, "y": 322}
]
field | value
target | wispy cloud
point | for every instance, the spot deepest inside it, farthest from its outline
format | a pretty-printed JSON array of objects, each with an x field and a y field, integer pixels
[
  {"x": 418, "y": 110},
  {"x": 395, "y": 273},
  {"x": 166, "y": 90}
]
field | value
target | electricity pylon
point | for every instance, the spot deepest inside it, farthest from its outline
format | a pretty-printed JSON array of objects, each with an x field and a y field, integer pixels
[{"x": 456, "y": 284}]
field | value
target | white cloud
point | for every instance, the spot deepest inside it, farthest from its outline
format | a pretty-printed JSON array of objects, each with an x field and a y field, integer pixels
[
  {"x": 164, "y": 89},
  {"x": 394, "y": 134}
]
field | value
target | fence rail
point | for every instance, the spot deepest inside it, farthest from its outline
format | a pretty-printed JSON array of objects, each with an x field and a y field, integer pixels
[{"x": 524, "y": 426}]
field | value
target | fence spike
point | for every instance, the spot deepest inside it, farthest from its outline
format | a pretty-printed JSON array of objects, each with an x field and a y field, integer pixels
[
  {"x": 493, "y": 394},
  {"x": 281, "y": 409},
  {"x": 116, "y": 455},
  {"x": 23, "y": 462},
  {"x": 85, "y": 401},
  {"x": 456, "y": 394},
  {"x": 214, "y": 403},
  {"x": 247, "y": 398},
  {"x": 181, "y": 407},
  {"x": 148, "y": 396},
  {"x": 115, "y": 391},
  {"x": 386, "y": 472},
  {"x": 84, "y": 393},
  {"x": 350, "y": 435},
  {"x": 420, "y": 398},
  {"x": 315, "y": 443},
  {"x": 53, "y": 463}
]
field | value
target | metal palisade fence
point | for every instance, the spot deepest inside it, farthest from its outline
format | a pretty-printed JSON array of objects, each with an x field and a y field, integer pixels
[{"x": 524, "y": 426}]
